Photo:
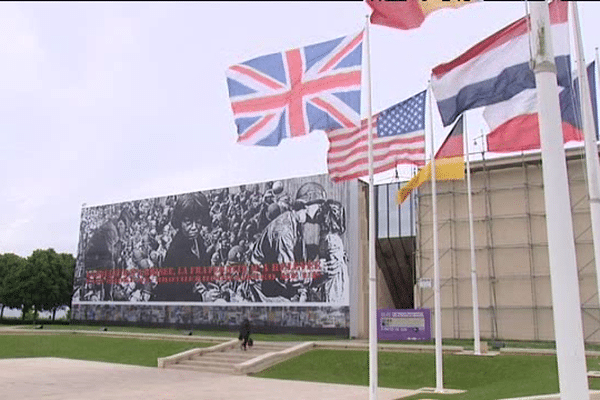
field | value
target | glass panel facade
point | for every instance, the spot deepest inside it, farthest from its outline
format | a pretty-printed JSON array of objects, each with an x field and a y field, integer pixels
[{"x": 394, "y": 220}]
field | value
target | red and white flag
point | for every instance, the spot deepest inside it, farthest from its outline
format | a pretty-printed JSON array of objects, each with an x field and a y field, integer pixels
[{"x": 398, "y": 138}]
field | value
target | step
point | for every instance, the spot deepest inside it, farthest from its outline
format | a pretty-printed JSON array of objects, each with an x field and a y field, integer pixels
[
  {"x": 200, "y": 362},
  {"x": 276, "y": 344},
  {"x": 225, "y": 360},
  {"x": 228, "y": 358},
  {"x": 208, "y": 368},
  {"x": 235, "y": 358},
  {"x": 204, "y": 363},
  {"x": 236, "y": 350},
  {"x": 266, "y": 349},
  {"x": 232, "y": 358}
]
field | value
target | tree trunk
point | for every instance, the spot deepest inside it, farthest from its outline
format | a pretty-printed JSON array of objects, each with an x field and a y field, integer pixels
[
  {"x": 53, "y": 314},
  {"x": 2, "y": 312},
  {"x": 34, "y": 314}
]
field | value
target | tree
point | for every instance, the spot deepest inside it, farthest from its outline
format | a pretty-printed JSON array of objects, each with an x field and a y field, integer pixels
[
  {"x": 14, "y": 281},
  {"x": 42, "y": 282},
  {"x": 51, "y": 284},
  {"x": 8, "y": 263},
  {"x": 67, "y": 273}
]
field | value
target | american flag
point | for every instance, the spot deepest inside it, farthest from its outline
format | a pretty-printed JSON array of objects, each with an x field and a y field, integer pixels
[
  {"x": 398, "y": 138},
  {"x": 292, "y": 93}
]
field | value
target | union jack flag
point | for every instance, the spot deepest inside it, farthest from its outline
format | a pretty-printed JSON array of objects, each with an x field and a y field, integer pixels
[{"x": 292, "y": 93}]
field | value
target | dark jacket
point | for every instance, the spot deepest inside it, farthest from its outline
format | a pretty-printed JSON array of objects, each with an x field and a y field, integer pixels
[
  {"x": 245, "y": 329},
  {"x": 180, "y": 254}
]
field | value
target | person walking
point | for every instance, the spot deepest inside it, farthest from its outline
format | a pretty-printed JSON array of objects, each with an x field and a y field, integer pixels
[{"x": 245, "y": 329}]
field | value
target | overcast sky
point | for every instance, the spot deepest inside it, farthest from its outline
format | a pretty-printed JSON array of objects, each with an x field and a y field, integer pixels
[{"x": 107, "y": 102}]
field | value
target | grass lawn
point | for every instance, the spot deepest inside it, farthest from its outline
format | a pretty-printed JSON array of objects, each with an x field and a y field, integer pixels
[
  {"x": 278, "y": 337},
  {"x": 132, "y": 329},
  {"x": 116, "y": 350},
  {"x": 465, "y": 343},
  {"x": 485, "y": 378}
]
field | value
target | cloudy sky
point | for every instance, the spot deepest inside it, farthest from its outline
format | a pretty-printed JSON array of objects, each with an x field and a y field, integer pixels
[{"x": 106, "y": 102}]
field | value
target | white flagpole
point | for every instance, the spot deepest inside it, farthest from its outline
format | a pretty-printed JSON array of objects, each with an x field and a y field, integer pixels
[
  {"x": 591, "y": 148},
  {"x": 439, "y": 370},
  {"x": 597, "y": 69},
  {"x": 474, "y": 291},
  {"x": 597, "y": 78},
  {"x": 566, "y": 305},
  {"x": 372, "y": 261}
]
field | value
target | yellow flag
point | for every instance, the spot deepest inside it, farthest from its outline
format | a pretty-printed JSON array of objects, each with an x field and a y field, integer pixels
[
  {"x": 449, "y": 163},
  {"x": 446, "y": 169}
]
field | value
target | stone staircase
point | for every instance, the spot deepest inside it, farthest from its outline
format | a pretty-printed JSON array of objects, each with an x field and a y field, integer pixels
[{"x": 229, "y": 358}]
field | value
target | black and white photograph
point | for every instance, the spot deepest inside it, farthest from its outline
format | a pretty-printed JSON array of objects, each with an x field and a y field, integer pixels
[{"x": 276, "y": 243}]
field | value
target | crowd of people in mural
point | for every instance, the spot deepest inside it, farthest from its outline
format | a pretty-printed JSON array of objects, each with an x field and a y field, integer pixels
[
  {"x": 227, "y": 245},
  {"x": 186, "y": 316}
]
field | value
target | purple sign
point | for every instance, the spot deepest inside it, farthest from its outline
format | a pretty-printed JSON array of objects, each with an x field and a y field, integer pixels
[{"x": 411, "y": 324}]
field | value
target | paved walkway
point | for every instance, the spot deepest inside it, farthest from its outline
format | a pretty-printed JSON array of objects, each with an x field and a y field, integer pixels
[{"x": 64, "y": 379}]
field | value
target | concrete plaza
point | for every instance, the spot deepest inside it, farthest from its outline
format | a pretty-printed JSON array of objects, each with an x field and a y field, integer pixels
[
  {"x": 51, "y": 378},
  {"x": 65, "y": 379}
]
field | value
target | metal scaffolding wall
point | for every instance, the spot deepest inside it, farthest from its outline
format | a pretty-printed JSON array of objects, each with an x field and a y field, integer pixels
[{"x": 511, "y": 250}]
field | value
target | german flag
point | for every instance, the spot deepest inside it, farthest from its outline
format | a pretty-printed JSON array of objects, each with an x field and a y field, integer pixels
[{"x": 449, "y": 163}]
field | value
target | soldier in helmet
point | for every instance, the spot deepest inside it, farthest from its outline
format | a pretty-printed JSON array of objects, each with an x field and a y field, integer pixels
[
  {"x": 310, "y": 192},
  {"x": 282, "y": 242},
  {"x": 310, "y": 231},
  {"x": 332, "y": 286}
]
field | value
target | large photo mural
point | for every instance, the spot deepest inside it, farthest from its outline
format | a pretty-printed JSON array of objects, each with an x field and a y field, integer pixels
[{"x": 262, "y": 247}]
